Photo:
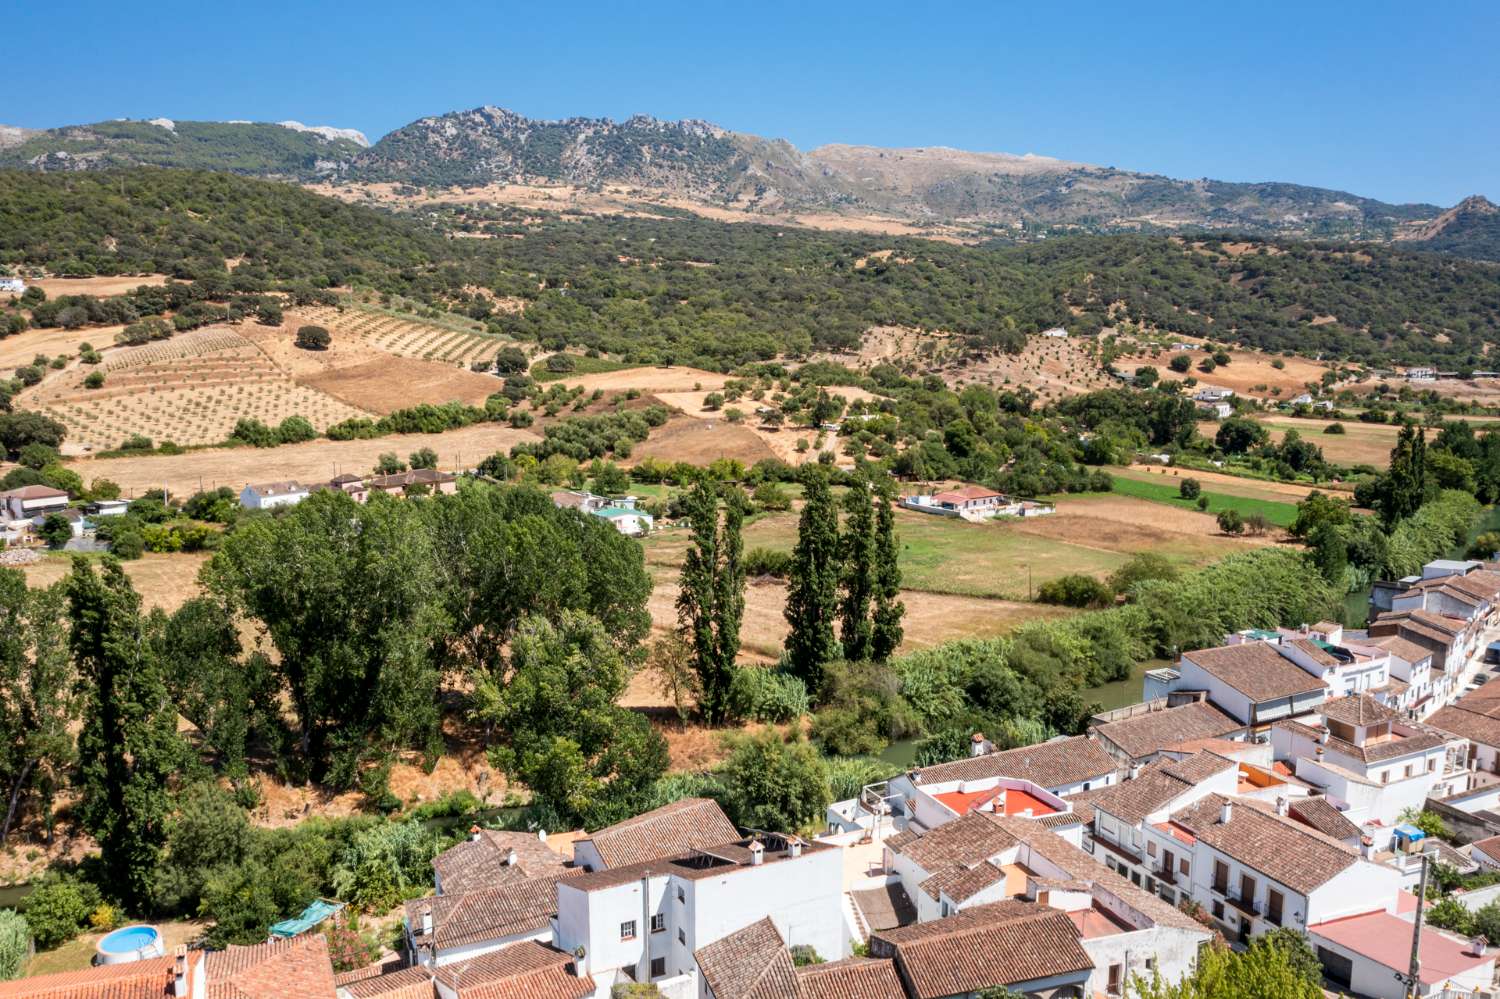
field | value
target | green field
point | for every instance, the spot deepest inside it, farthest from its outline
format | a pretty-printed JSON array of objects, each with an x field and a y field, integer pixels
[
  {"x": 581, "y": 366},
  {"x": 1280, "y": 514}
]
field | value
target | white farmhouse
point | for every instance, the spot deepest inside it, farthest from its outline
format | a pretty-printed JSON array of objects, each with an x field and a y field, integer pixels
[
  {"x": 269, "y": 495},
  {"x": 13, "y": 286},
  {"x": 32, "y": 502}
]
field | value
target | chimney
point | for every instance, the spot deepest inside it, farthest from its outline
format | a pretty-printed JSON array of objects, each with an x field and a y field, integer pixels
[
  {"x": 510, "y": 857},
  {"x": 1135, "y": 770},
  {"x": 794, "y": 847},
  {"x": 541, "y": 834},
  {"x": 474, "y": 834},
  {"x": 1282, "y": 806},
  {"x": 180, "y": 971},
  {"x": 757, "y": 853},
  {"x": 580, "y": 962},
  {"x": 976, "y": 744},
  {"x": 1226, "y": 812},
  {"x": 1478, "y": 945},
  {"x": 426, "y": 920}
]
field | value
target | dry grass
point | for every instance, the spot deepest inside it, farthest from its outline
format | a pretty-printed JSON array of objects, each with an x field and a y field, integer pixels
[
  {"x": 100, "y": 286},
  {"x": 312, "y": 461},
  {"x": 1246, "y": 371},
  {"x": 165, "y": 581},
  {"x": 654, "y": 380},
  {"x": 19, "y": 349},
  {"x": 698, "y": 441},
  {"x": 390, "y": 383},
  {"x": 455, "y": 343}
]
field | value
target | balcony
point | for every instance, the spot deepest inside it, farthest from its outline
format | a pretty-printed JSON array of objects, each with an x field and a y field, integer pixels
[{"x": 1120, "y": 851}]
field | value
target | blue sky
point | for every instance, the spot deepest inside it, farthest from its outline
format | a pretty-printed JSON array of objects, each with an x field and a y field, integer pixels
[{"x": 1399, "y": 101}]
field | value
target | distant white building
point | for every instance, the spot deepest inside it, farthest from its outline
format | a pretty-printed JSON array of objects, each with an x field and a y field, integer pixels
[
  {"x": 269, "y": 495},
  {"x": 623, "y": 511},
  {"x": 1212, "y": 394},
  {"x": 1056, "y": 333},
  {"x": 32, "y": 502},
  {"x": 14, "y": 286},
  {"x": 1421, "y": 374}
]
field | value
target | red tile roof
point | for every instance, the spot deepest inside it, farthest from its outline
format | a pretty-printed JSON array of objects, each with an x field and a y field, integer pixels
[
  {"x": 135, "y": 980},
  {"x": 483, "y": 862},
  {"x": 1278, "y": 847},
  {"x": 671, "y": 830},
  {"x": 487, "y": 914},
  {"x": 411, "y": 983},
  {"x": 521, "y": 971},
  {"x": 851, "y": 978},
  {"x": 1256, "y": 670},
  {"x": 1055, "y": 764},
  {"x": 751, "y": 963},
  {"x": 1141, "y": 735},
  {"x": 289, "y": 969}
]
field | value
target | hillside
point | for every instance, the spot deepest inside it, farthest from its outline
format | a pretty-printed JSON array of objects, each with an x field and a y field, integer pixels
[
  {"x": 1469, "y": 229},
  {"x": 290, "y": 150},
  {"x": 688, "y": 290}
]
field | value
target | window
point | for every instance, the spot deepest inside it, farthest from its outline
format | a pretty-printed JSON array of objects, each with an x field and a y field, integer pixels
[
  {"x": 1150, "y": 964},
  {"x": 1408, "y": 770},
  {"x": 658, "y": 922},
  {"x": 1432, "y": 765},
  {"x": 1221, "y": 877},
  {"x": 1182, "y": 865},
  {"x": 1274, "y": 902},
  {"x": 658, "y": 967},
  {"x": 627, "y": 930},
  {"x": 1218, "y": 909},
  {"x": 682, "y": 936},
  {"x": 1385, "y": 776},
  {"x": 1151, "y": 848},
  {"x": 1247, "y": 888},
  {"x": 946, "y": 910},
  {"x": 680, "y": 896}
]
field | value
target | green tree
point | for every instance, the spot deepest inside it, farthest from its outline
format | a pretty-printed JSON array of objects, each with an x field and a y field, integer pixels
[
  {"x": 1231, "y": 521},
  {"x": 1189, "y": 488},
  {"x": 564, "y": 736},
  {"x": 711, "y": 597},
  {"x": 609, "y": 479},
  {"x": 1261, "y": 972},
  {"x": 812, "y": 591},
  {"x": 1239, "y": 434},
  {"x": 1180, "y": 363},
  {"x": 56, "y": 530},
  {"x": 1330, "y": 552},
  {"x": 775, "y": 784},
  {"x": 857, "y": 575},
  {"x": 348, "y": 595},
  {"x": 15, "y": 944},
  {"x": 886, "y": 632},
  {"x": 311, "y": 337},
  {"x": 128, "y": 748},
  {"x": 206, "y": 834},
  {"x": 424, "y": 457},
  {"x": 1403, "y": 488},
  {"x": 37, "y": 702}
]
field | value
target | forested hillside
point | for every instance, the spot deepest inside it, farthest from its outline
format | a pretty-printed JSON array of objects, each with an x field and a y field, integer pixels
[{"x": 690, "y": 290}]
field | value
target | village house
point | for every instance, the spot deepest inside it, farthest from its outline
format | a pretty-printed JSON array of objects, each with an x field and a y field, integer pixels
[
  {"x": 623, "y": 511},
  {"x": 12, "y": 285},
  {"x": 1255, "y": 682},
  {"x": 1217, "y": 410},
  {"x": 1365, "y": 953},
  {"x": 1138, "y": 733},
  {"x": 1475, "y": 717},
  {"x": 1056, "y": 333},
  {"x": 1031, "y": 779},
  {"x": 416, "y": 481},
  {"x": 1368, "y": 762},
  {"x": 968, "y": 502},
  {"x": 646, "y": 922},
  {"x": 671, "y": 830},
  {"x": 1209, "y": 393},
  {"x": 1411, "y": 686},
  {"x": 270, "y": 495},
  {"x": 962, "y": 871},
  {"x": 1451, "y": 640},
  {"x": 32, "y": 502}
]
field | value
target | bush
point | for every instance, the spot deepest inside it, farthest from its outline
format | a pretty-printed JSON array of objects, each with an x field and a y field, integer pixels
[
  {"x": 313, "y": 338},
  {"x": 1180, "y": 363},
  {"x": 59, "y": 908},
  {"x": 561, "y": 364},
  {"x": 294, "y": 430},
  {"x": 1189, "y": 488},
  {"x": 773, "y": 784},
  {"x": 767, "y": 562},
  {"x": 1334, "y": 428},
  {"x": 771, "y": 497},
  {"x": 1231, "y": 522},
  {"x": 94, "y": 380},
  {"x": 56, "y": 530},
  {"x": 1075, "y": 590},
  {"x": 766, "y": 695},
  {"x": 15, "y": 944},
  {"x": 128, "y": 545}
]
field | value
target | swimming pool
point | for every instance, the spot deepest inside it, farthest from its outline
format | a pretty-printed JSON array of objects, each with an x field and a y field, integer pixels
[{"x": 129, "y": 943}]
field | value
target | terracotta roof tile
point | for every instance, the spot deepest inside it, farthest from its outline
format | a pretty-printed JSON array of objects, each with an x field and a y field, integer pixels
[
  {"x": 1321, "y": 815},
  {"x": 1153, "y": 731},
  {"x": 1256, "y": 670},
  {"x": 410, "y": 983},
  {"x": 851, "y": 978},
  {"x": 484, "y": 862},
  {"x": 751, "y": 963},
  {"x": 1281, "y": 849},
  {"x": 962, "y": 883},
  {"x": 674, "y": 829},
  {"x": 1357, "y": 709},
  {"x": 487, "y": 914},
  {"x": 135, "y": 980},
  {"x": 289, "y": 969},
  {"x": 521, "y": 971},
  {"x": 1002, "y": 944},
  {"x": 1399, "y": 647},
  {"x": 963, "y": 842},
  {"x": 1049, "y": 764}
]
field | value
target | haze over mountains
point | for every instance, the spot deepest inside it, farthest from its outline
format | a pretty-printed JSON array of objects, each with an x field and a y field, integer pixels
[{"x": 991, "y": 194}]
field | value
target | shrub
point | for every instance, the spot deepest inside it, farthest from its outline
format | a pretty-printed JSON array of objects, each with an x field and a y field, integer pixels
[
  {"x": 295, "y": 429},
  {"x": 1189, "y": 488},
  {"x": 386, "y": 864},
  {"x": 59, "y": 908},
  {"x": 768, "y": 562},
  {"x": 15, "y": 944},
  {"x": 771, "y": 497},
  {"x": 1231, "y": 522},
  {"x": 269, "y": 314},
  {"x": 104, "y": 918},
  {"x": 313, "y": 338},
  {"x": 1334, "y": 428},
  {"x": 253, "y": 432},
  {"x": 94, "y": 380},
  {"x": 348, "y": 950},
  {"x": 561, "y": 364},
  {"x": 770, "y": 783},
  {"x": 128, "y": 545},
  {"x": 56, "y": 530},
  {"x": 1074, "y": 590},
  {"x": 1180, "y": 363}
]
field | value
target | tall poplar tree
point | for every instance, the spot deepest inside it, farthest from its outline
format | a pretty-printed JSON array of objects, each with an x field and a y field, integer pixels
[
  {"x": 886, "y": 631},
  {"x": 857, "y": 551},
  {"x": 37, "y": 699},
  {"x": 711, "y": 598},
  {"x": 812, "y": 594},
  {"x": 128, "y": 747},
  {"x": 1404, "y": 487}
]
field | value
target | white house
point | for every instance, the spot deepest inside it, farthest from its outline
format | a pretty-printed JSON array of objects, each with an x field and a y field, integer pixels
[
  {"x": 269, "y": 495},
  {"x": 1421, "y": 374},
  {"x": 1364, "y": 954},
  {"x": 1056, "y": 333},
  {"x": 1218, "y": 410},
  {"x": 1138, "y": 733},
  {"x": 32, "y": 502},
  {"x": 968, "y": 502},
  {"x": 1255, "y": 869},
  {"x": 672, "y": 830},
  {"x": 1475, "y": 717},
  {"x": 623, "y": 512},
  {"x": 645, "y": 922},
  {"x": 628, "y": 520},
  {"x": 1209, "y": 393},
  {"x": 14, "y": 286},
  {"x": 1254, "y": 682}
]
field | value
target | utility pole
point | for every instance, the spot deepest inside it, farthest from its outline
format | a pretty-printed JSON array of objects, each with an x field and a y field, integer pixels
[{"x": 1413, "y": 977}]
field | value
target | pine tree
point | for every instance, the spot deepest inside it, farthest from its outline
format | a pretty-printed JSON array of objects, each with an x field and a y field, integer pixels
[
  {"x": 886, "y": 632},
  {"x": 128, "y": 747},
  {"x": 857, "y": 553},
  {"x": 812, "y": 595},
  {"x": 711, "y": 598}
]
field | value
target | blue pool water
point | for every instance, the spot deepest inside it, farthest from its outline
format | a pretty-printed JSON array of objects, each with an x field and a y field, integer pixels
[{"x": 128, "y": 940}]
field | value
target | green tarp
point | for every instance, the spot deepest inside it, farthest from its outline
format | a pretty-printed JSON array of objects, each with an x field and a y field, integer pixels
[{"x": 311, "y": 916}]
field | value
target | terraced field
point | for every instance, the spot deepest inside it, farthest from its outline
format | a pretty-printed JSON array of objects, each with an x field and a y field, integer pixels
[
  {"x": 190, "y": 389},
  {"x": 407, "y": 337}
]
